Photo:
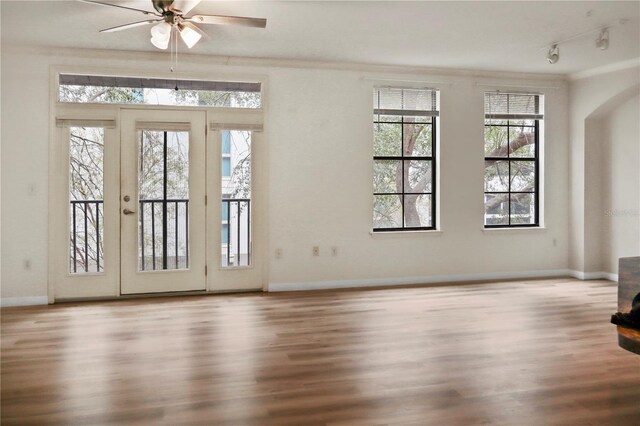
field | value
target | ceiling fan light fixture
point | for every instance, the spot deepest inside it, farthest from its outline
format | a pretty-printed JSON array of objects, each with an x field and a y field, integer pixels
[{"x": 189, "y": 35}]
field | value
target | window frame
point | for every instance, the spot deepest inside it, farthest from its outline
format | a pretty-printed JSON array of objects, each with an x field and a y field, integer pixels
[
  {"x": 509, "y": 159},
  {"x": 403, "y": 160}
]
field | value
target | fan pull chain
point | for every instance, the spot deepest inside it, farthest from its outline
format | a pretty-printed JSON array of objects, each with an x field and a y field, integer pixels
[{"x": 174, "y": 60}]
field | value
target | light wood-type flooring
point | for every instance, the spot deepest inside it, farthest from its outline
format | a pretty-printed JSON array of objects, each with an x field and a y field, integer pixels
[{"x": 506, "y": 353}]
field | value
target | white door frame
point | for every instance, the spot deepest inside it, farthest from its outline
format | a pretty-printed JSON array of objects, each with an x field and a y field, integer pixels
[{"x": 64, "y": 285}]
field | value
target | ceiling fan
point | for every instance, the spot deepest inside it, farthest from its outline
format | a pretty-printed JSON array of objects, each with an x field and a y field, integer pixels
[{"x": 170, "y": 14}]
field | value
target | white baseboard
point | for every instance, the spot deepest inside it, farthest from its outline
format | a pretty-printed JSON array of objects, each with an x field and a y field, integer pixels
[
  {"x": 23, "y": 301},
  {"x": 601, "y": 275},
  {"x": 381, "y": 282},
  {"x": 430, "y": 279}
]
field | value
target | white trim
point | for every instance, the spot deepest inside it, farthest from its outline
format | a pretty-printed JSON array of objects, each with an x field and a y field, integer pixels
[
  {"x": 23, "y": 301},
  {"x": 514, "y": 229},
  {"x": 404, "y": 234},
  {"x": 431, "y": 279},
  {"x": 214, "y": 60},
  {"x": 618, "y": 66},
  {"x": 600, "y": 275}
]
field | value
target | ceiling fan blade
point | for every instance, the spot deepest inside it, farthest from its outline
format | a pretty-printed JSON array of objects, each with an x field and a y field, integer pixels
[
  {"x": 131, "y": 25},
  {"x": 146, "y": 12},
  {"x": 228, "y": 20},
  {"x": 184, "y": 6}
]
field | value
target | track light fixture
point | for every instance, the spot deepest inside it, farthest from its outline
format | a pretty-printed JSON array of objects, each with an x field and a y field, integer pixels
[
  {"x": 554, "y": 54},
  {"x": 602, "y": 42}
]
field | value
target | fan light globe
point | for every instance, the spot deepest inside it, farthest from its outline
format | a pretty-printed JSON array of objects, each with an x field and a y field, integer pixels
[
  {"x": 161, "y": 30},
  {"x": 189, "y": 35},
  {"x": 160, "y": 43}
]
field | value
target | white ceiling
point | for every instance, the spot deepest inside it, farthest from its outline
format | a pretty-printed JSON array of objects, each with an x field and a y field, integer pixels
[{"x": 502, "y": 36}]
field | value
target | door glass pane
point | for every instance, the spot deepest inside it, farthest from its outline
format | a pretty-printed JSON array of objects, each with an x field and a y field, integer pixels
[
  {"x": 86, "y": 195},
  {"x": 163, "y": 200},
  {"x": 236, "y": 198}
]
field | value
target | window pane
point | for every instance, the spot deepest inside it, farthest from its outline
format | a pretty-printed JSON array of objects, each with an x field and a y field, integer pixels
[
  {"x": 235, "y": 227},
  {"x": 522, "y": 209},
  {"x": 163, "y": 194},
  {"x": 495, "y": 141},
  {"x": 418, "y": 176},
  {"x": 387, "y": 118},
  {"x": 153, "y": 91},
  {"x": 387, "y": 176},
  {"x": 417, "y": 210},
  {"x": 521, "y": 123},
  {"x": 496, "y": 176},
  {"x": 387, "y": 211},
  {"x": 522, "y": 141},
  {"x": 226, "y": 142},
  {"x": 226, "y": 166},
  {"x": 86, "y": 195},
  {"x": 523, "y": 176},
  {"x": 496, "y": 209},
  {"x": 387, "y": 139},
  {"x": 417, "y": 140},
  {"x": 225, "y": 234}
]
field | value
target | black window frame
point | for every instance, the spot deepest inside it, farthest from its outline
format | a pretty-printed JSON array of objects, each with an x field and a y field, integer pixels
[
  {"x": 509, "y": 159},
  {"x": 408, "y": 158}
]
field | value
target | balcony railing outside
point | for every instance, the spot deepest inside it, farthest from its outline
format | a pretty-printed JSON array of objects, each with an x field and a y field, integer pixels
[
  {"x": 236, "y": 244},
  {"x": 85, "y": 237},
  {"x": 169, "y": 250}
]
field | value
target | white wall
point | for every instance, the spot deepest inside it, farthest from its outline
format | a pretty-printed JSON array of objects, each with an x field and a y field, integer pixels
[
  {"x": 319, "y": 135},
  {"x": 621, "y": 184},
  {"x": 590, "y": 96}
]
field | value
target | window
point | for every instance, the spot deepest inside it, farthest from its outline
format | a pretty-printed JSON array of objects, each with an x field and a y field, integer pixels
[
  {"x": 236, "y": 185},
  {"x": 226, "y": 153},
  {"x": 86, "y": 199},
  {"x": 404, "y": 158},
  {"x": 511, "y": 154},
  {"x": 156, "y": 91}
]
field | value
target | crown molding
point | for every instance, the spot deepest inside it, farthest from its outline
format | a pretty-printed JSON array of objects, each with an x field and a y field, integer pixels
[{"x": 277, "y": 63}]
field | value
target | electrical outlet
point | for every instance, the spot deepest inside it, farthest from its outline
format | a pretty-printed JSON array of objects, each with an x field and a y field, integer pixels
[
  {"x": 27, "y": 264},
  {"x": 316, "y": 251},
  {"x": 555, "y": 242},
  {"x": 278, "y": 253},
  {"x": 334, "y": 251}
]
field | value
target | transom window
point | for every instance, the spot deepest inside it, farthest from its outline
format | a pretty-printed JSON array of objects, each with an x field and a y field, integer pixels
[
  {"x": 511, "y": 154},
  {"x": 157, "y": 91},
  {"x": 404, "y": 153}
]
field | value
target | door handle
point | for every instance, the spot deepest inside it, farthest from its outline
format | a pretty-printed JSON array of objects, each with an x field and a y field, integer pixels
[{"x": 127, "y": 211}]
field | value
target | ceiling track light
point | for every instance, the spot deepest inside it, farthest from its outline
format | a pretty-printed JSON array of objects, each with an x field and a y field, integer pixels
[
  {"x": 602, "y": 42},
  {"x": 554, "y": 54}
]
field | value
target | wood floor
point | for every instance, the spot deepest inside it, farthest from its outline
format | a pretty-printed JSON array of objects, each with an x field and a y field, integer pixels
[{"x": 515, "y": 353}]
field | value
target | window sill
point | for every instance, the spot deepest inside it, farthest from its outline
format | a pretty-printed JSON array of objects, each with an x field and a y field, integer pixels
[
  {"x": 524, "y": 230},
  {"x": 401, "y": 234}
]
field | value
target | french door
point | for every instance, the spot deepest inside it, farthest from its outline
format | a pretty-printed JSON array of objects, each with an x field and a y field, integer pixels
[
  {"x": 162, "y": 203},
  {"x": 147, "y": 201}
]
